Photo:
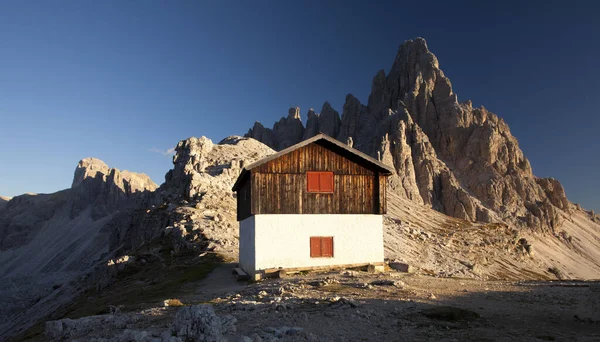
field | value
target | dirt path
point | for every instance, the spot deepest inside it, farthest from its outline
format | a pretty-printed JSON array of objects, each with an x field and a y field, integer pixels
[{"x": 217, "y": 283}]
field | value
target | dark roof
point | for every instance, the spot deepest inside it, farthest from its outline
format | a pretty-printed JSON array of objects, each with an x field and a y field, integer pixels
[{"x": 376, "y": 164}]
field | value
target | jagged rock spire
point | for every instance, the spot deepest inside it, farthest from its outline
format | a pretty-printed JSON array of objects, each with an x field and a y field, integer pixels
[{"x": 460, "y": 160}]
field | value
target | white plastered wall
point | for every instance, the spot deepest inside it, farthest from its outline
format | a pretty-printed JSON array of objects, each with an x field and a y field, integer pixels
[
  {"x": 271, "y": 241},
  {"x": 247, "y": 257}
]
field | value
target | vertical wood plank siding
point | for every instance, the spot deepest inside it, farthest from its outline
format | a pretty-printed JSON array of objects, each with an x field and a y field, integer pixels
[
  {"x": 279, "y": 186},
  {"x": 382, "y": 194},
  {"x": 313, "y": 157}
]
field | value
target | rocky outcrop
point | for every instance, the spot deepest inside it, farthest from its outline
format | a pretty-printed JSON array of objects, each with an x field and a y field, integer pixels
[
  {"x": 192, "y": 323},
  {"x": 262, "y": 134},
  {"x": 555, "y": 192},
  {"x": 200, "y": 323},
  {"x": 128, "y": 182},
  {"x": 460, "y": 160},
  {"x": 329, "y": 120},
  {"x": 290, "y": 130},
  {"x": 105, "y": 189},
  {"x": 3, "y": 201},
  {"x": 97, "y": 192},
  {"x": 286, "y": 132},
  {"x": 312, "y": 125},
  {"x": 199, "y": 165},
  {"x": 182, "y": 212},
  {"x": 68, "y": 329}
]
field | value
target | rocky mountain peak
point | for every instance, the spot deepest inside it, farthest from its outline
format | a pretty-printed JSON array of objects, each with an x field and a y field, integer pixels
[
  {"x": 88, "y": 168},
  {"x": 312, "y": 124},
  {"x": 294, "y": 113},
  {"x": 459, "y": 160},
  {"x": 129, "y": 182},
  {"x": 286, "y": 132},
  {"x": 3, "y": 201},
  {"x": 104, "y": 188},
  {"x": 201, "y": 166},
  {"x": 260, "y": 133},
  {"x": 329, "y": 120}
]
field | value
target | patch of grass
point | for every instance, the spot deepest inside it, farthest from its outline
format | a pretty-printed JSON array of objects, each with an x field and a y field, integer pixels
[
  {"x": 34, "y": 333},
  {"x": 136, "y": 288}
]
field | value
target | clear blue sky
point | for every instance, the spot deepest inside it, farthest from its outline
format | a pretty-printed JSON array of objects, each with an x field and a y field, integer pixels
[{"x": 116, "y": 79}]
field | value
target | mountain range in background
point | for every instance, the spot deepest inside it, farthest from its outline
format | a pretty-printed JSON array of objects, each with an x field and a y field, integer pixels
[{"x": 463, "y": 201}]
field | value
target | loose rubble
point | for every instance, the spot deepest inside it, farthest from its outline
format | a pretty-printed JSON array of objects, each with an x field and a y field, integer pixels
[{"x": 305, "y": 307}]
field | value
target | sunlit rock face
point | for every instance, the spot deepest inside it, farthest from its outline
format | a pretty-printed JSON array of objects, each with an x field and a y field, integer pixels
[{"x": 459, "y": 160}]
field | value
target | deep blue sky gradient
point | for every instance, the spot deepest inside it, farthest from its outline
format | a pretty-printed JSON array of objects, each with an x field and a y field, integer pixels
[{"x": 116, "y": 79}]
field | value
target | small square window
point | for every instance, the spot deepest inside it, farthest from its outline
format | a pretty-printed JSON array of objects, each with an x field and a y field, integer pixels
[
  {"x": 321, "y": 182},
  {"x": 321, "y": 246}
]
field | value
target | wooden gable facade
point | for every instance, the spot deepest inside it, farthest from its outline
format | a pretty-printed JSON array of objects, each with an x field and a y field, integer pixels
[{"x": 288, "y": 182}]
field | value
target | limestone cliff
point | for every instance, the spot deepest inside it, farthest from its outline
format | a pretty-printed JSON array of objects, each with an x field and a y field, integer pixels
[
  {"x": 286, "y": 132},
  {"x": 97, "y": 191},
  {"x": 459, "y": 160},
  {"x": 195, "y": 191}
]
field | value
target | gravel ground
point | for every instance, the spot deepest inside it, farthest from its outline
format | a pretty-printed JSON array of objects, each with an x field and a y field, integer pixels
[
  {"x": 393, "y": 306},
  {"x": 353, "y": 305}
]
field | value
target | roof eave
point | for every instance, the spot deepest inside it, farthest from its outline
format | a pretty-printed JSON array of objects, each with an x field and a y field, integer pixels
[{"x": 384, "y": 169}]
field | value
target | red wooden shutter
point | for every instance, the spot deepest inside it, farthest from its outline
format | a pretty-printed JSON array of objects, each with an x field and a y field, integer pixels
[
  {"x": 312, "y": 181},
  {"x": 326, "y": 181},
  {"x": 321, "y": 246},
  {"x": 327, "y": 247},
  {"x": 315, "y": 247},
  {"x": 319, "y": 181}
]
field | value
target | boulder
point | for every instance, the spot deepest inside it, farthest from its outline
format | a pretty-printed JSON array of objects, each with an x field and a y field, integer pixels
[
  {"x": 402, "y": 267},
  {"x": 199, "y": 323},
  {"x": 66, "y": 329}
]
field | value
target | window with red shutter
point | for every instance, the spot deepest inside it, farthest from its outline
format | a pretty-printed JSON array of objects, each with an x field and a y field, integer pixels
[
  {"x": 321, "y": 182},
  {"x": 321, "y": 246}
]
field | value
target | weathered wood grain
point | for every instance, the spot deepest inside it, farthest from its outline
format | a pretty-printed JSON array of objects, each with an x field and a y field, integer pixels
[{"x": 279, "y": 186}]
